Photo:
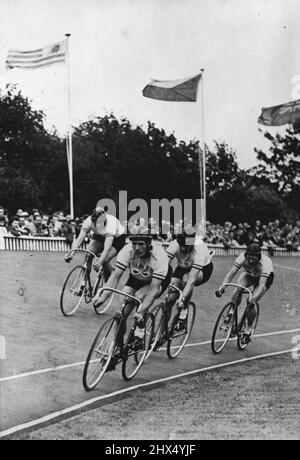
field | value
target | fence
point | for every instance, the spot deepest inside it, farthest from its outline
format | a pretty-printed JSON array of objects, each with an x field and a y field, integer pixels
[{"x": 28, "y": 243}]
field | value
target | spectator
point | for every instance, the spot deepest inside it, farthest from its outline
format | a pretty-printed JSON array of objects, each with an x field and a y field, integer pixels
[
  {"x": 55, "y": 226},
  {"x": 68, "y": 230},
  {"x": 37, "y": 228},
  {"x": 14, "y": 228}
]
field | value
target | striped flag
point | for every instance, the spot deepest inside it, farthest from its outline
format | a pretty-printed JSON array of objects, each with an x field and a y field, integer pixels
[
  {"x": 184, "y": 90},
  {"x": 48, "y": 55}
]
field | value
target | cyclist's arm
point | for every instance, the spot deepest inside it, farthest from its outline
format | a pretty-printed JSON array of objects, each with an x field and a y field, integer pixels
[
  {"x": 112, "y": 282},
  {"x": 80, "y": 239},
  {"x": 152, "y": 294},
  {"x": 188, "y": 290},
  {"x": 107, "y": 245},
  {"x": 230, "y": 275}
]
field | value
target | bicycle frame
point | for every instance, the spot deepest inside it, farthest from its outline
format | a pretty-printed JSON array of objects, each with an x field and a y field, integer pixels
[
  {"x": 89, "y": 254},
  {"x": 120, "y": 315}
]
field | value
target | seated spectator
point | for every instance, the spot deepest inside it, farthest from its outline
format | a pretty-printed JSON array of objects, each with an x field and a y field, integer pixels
[
  {"x": 68, "y": 230},
  {"x": 55, "y": 226},
  {"x": 15, "y": 229},
  {"x": 37, "y": 228},
  {"x": 292, "y": 241}
]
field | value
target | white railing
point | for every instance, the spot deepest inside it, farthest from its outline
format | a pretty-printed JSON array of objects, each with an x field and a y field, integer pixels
[{"x": 30, "y": 243}]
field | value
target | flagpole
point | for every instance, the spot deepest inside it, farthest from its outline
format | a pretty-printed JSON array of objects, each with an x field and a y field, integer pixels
[
  {"x": 69, "y": 137},
  {"x": 202, "y": 163}
]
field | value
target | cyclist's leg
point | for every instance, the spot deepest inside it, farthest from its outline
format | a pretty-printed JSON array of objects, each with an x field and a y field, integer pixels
[
  {"x": 96, "y": 247},
  {"x": 107, "y": 268},
  {"x": 118, "y": 244},
  {"x": 133, "y": 287},
  {"x": 244, "y": 280},
  {"x": 258, "y": 293},
  {"x": 204, "y": 274}
]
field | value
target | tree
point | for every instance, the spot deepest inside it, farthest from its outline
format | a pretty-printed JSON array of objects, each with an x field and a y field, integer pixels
[
  {"x": 281, "y": 166},
  {"x": 29, "y": 156}
]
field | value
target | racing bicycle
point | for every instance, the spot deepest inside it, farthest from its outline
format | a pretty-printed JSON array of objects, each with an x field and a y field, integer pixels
[
  {"x": 111, "y": 346},
  {"x": 79, "y": 285},
  {"x": 176, "y": 335},
  {"x": 228, "y": 325}
]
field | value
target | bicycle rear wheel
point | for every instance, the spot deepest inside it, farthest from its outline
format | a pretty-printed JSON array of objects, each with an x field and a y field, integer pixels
[
  {"x": 100, "y": 282},
  {"x": 223, "y": 328},
  {"x": 178, "y": 335},
  {"x": 73, "y": 290},
  {"x": 100, "y": 354},
  {"x": 134, "y": 358},
  {"x": 241, "y": 342}
]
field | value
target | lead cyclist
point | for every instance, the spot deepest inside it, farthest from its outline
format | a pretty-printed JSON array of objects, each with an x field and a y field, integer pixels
[{"x": 108, "y": 239}]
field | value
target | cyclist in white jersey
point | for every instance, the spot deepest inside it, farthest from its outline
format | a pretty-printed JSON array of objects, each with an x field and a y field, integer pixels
[
  {"x": 194, "y": 266},
  {"x": 149, "y": 273},
  {"x": 108, "y": 238},
  {"x": 258, "y": 273}
]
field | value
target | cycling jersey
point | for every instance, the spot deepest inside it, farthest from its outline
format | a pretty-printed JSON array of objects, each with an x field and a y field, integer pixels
[
  {"x": 106, "y": 226},
  {"x": 154, "y": 266},
  {"x": 263, "y": 268},
  {"x": 198, "y": 258}
]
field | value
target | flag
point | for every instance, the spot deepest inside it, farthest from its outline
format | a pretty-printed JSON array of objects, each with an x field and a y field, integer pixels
[
  {"x": 184, "y": 90},
  {"x": 37, "y": 58},
  {"x": 281, "y": 114}
]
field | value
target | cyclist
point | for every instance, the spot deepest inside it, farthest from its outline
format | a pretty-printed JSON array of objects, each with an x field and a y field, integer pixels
[
  {"x": 108, "y": 239},
  {"x": 194, "y": 267},
  {"x": 258, "y": 273},
  {"x": 149, "y": 275}
]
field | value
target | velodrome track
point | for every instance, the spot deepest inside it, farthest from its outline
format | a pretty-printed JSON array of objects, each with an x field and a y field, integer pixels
[{"x": 40, "y": 379}]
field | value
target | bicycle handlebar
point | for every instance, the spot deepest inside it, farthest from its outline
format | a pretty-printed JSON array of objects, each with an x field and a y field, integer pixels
[
  {"x": 82, "y": 250},
  {"x": 178, "y": 290},
  {"x": 120, "y": 292},
  {"x": 246, "y": 290}
]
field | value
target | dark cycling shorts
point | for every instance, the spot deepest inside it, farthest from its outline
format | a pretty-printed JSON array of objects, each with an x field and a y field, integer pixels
[
  {"x": 118, "y": 242},
  {"x": 136, "y": 284},
  {"x": 268, "y": 283},
  {"x": 207, "y": 272}
]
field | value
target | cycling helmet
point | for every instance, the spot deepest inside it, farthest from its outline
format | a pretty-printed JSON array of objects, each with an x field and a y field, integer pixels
[
  {"x": 186, "y": 237},
  {"x": 253, "y": 250},
  {"x": 140, "y": 233},
  {"x": 96, "y": 213}
]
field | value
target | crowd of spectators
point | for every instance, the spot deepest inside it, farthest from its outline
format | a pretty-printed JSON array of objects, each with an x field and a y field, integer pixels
[
  {"x": 37, "y": 223},
  {"x": 272, "y": 235}
]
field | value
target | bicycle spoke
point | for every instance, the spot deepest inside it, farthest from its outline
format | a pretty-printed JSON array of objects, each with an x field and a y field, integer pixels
[
  {"x": 223, "y": 328},
  {"x": 180, "y": 332},
  {"x": 135, "y": 357},
  {"x": 73, "y": 291},
  {"x": 100, "y": 354}
]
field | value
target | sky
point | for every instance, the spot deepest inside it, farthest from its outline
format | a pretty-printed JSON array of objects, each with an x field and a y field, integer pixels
[{"x": 248, "y": 49}]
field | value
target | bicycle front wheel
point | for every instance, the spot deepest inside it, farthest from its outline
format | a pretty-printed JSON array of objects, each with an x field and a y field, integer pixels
[
  {"x": 100, "y": 354},
  {"x": 134, "y": 357},
  {"x": 243, "y": 341},
  {"x": 73, "y": 290},
  {"x": 223, "y": 328},
  {"x": 180, "y": 332},
  {"x": 99, "y": 284},
  {"x": 158, "y": 316}
]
